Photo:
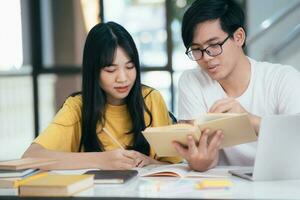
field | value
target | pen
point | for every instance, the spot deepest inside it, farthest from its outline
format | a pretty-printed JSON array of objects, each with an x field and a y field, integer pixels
[{"x": 113, "y": 138}]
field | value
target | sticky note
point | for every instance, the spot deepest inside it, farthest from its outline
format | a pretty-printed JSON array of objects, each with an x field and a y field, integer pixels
[{"x": 214, "y": 184}]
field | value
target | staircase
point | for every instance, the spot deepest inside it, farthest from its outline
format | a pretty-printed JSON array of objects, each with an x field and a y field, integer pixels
[{"x": 277, "y": 38}]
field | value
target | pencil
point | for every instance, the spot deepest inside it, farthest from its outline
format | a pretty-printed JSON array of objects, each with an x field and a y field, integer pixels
[{"x": 113, "y": 138}]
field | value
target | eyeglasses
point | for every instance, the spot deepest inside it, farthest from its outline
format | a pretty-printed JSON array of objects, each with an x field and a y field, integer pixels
[{"x": 211, "y": 50}]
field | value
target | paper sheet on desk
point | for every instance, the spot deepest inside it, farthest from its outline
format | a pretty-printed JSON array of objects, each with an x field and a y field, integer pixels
[
  {"x": 71, "y": 171},
  {"x": 217, "y": 172},
  {"x": 183, "y": 171}
]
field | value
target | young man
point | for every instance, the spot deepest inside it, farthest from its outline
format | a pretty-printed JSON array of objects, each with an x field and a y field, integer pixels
[{"x": 228, "y": 81}]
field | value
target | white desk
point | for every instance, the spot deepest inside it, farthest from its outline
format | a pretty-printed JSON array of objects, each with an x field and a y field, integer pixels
[
  {"x": 174, "y": 188},
  {"x": 185, "y": 189}
]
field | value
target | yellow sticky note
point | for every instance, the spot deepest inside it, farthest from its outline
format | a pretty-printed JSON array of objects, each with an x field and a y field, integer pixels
[{"x": 214, "y": 184}]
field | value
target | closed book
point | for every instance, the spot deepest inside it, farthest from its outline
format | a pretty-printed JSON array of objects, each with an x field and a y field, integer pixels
[
  {"x": 56, "y": 185},
  {"x": 25, "y": 163},
  {"x": 112, "y": 176},
  {"x": 236, "y": 128},
  {"x": 15, "y": 173}
]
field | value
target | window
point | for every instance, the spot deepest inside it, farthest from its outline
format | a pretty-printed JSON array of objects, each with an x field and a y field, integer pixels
[
  {"x": 156, "y": 29},
  {"x": 10, "y": 35}
]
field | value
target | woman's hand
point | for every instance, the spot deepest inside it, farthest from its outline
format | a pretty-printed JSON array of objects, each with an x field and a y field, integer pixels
[
  {"x": 144, "y": 160},
  {"x": 122, "y": 159},
  {"x": 115, "y": 159}
]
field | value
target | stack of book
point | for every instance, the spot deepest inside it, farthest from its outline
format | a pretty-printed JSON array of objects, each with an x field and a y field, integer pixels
[
  {"x": 13, "y": 171},
  {"x": 24, "y": 175}
]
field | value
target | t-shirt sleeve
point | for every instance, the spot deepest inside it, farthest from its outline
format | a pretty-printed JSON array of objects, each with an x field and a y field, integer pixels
[
  {"x": 288, "y": 91},
  {"x": 190, "y": 98},
  {"x": 63, "y": 133},
  {"x": 160, "y": 117}
]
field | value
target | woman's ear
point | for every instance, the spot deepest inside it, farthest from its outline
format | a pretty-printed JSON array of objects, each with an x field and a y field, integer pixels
[{"x": 239, "y": 36}]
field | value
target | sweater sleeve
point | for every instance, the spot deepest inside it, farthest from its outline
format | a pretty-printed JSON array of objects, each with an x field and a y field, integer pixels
[{"x": 64, "y": 132}]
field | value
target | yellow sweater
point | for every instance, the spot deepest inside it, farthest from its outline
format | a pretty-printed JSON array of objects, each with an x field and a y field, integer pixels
[{"x": 64, "y": 132}]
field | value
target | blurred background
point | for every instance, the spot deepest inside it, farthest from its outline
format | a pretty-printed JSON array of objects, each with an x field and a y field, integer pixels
[{"x": 41, "y": 44}]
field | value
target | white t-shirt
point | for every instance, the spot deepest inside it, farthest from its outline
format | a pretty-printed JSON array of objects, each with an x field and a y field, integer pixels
[{"x": 273, "y": 89}]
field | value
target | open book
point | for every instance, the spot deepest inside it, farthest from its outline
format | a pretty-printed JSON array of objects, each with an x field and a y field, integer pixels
[
  {"x": 182, "y": 171},
  {"x": 236, "y": 129}
]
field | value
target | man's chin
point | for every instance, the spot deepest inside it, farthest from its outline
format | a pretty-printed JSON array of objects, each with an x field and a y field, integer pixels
[{"x": 215, "y": 76}]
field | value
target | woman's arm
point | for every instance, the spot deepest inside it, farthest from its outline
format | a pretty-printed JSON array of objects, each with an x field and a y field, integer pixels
[{"x": 116, "y": 159}]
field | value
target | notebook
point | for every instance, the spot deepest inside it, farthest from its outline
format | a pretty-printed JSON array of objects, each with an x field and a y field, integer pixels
[
  {"x": 15, "y": 173},
  {"x": 277, "y": 156},
  {"x": 236, "y": 128},
  {"x": 56, "y": 185},
  {"x": 112, "y": 176},
  {"x": 25, "y": 163}
]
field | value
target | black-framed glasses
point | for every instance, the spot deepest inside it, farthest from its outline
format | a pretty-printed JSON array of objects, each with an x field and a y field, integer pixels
[{"x": 212, "y": 50}]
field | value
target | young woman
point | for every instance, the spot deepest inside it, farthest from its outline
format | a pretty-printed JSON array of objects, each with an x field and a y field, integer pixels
[{"x": 111, "y": 111}]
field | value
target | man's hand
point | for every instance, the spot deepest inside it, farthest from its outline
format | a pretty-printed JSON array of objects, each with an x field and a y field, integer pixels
[
  {"x": 203, "y": 156},
  {"x": 231, "y": 105},
  {"x": 227, "y": 105}
]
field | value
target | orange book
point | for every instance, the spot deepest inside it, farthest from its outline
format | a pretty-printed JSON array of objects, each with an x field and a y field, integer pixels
[{"x": 56, "y": 185}]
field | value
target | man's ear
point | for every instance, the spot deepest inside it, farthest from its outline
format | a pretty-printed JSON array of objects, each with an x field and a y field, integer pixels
[{"x": 239, "y": 36}]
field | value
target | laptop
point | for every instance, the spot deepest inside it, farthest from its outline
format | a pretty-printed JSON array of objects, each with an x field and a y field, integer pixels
[{"x": 278, "y": 150}]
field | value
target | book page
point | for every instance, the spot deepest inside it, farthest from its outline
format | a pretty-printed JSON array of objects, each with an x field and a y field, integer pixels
[
  {"x": 217, "y": 172},
  {"x": 173, "y": 170}
]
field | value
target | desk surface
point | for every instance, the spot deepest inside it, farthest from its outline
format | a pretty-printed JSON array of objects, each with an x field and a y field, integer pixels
[{"x": 184, "y": 188}]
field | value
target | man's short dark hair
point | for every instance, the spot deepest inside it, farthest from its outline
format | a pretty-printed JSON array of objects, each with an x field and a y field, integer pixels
[{"x": 229, "y": 13}]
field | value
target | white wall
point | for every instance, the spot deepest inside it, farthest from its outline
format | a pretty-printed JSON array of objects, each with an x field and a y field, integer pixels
[{"x": 257, "y": 12}]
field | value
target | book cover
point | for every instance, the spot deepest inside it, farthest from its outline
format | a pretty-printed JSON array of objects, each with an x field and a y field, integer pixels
[
  {"x": 236, "y": 129},
  {"x": 112, "y": 176},
  {"x": 25, "y": 163},
  {"x": 56, "y": 185}
]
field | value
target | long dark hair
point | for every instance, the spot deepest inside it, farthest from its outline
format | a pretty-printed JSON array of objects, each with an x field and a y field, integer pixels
[{"x": 99, "y": 51}]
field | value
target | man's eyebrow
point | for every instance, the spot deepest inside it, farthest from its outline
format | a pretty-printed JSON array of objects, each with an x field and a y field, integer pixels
[{"x": 206, "y": 42}]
